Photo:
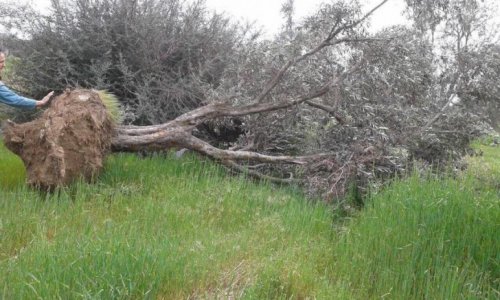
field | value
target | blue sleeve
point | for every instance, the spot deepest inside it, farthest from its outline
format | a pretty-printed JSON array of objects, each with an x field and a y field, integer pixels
[{"x": 10, "y": 98}]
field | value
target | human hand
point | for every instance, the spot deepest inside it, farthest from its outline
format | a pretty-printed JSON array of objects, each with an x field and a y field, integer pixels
[{"x": 45, "y": 100}]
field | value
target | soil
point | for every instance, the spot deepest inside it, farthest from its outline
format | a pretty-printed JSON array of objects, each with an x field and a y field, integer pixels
[{"x": 70, "y": 140}]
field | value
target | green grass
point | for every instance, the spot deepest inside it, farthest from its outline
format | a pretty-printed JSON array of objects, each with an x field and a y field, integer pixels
[
  {"x": 486, "y": 167},
  {"x": 12, "y": 171},
  {"x": 161, "y": 228},
  {"x": 424, "y": 239}
]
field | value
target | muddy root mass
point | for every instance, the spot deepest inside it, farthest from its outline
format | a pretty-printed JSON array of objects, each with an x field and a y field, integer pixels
[{"x": 70, "y": 140}]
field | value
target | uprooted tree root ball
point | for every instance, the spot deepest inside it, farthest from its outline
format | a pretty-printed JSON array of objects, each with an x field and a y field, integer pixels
[{"x": 70, "y": 140}]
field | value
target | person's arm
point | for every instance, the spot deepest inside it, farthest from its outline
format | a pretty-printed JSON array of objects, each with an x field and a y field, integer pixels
[{"x": 10, "y": 98}]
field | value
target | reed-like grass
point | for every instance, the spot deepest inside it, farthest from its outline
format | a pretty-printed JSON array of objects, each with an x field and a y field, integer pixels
[
  {"x": 112, "y": 106},
  {"x": 485, "y": 167},
  {"x": 12, "y": 172},
  {"x": 425, "y": 239},
  {"x": 163, "y": 228},
  {"x": 166, "y": 228}
]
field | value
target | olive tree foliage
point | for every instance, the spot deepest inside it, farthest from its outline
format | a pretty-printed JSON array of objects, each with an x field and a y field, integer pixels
[
  {"x": 283, "y": 131},
  {"x": 389, "y": 86},
  {"x": 462, "y": 31},
  {"x": 481, "y": 91},
  {"x": 383, "y": 91},
  {"x": 156, "y": 56}
]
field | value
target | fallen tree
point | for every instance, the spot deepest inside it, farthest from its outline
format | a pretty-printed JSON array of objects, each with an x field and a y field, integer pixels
[{"x": 73, "y": 136}]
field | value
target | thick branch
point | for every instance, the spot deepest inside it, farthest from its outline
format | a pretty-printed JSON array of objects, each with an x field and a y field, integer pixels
[
  {"x": 181, "y": 139},
  {"x": 205, "y": 148},
  {"x": 159, "y": 139},
  {"x": 188, "y": 121}
]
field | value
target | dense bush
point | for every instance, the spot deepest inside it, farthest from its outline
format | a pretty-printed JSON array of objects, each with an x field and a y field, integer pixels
[{"x": 156, "y": 56}]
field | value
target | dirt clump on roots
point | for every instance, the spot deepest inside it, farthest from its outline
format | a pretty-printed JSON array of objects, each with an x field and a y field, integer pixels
[{"x": 70, "y": 140}]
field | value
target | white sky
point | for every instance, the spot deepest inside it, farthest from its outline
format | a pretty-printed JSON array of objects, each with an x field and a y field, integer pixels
[{"x": 266, "y": 13}]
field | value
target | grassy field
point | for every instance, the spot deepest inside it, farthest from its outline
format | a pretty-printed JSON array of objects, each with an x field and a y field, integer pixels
[
  {"x": 12, "y": 171},
  {"x": 161, "y": 228}
]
